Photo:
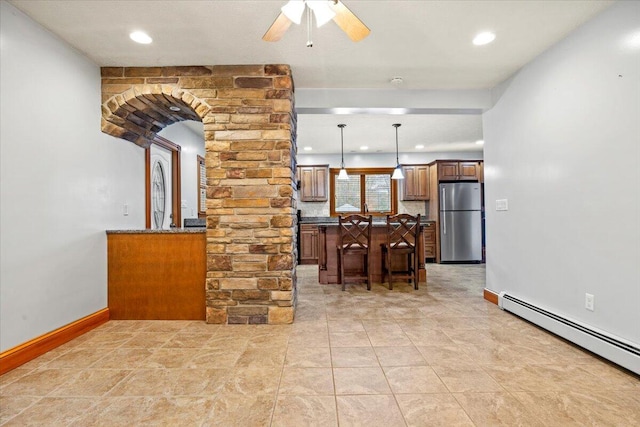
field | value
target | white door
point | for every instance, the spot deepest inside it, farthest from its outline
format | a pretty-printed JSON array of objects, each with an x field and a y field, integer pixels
[{"x": 161, "y": 164}]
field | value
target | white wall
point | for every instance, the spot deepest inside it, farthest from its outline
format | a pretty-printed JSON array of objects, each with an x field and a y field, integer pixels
[
  {"x": 192, "y": 146},
  {"x": 63, "y": 183},
  {"x": 562, "y": 144}
]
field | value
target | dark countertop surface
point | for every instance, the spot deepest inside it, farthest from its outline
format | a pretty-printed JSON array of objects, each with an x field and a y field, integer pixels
[
  {"x": 153, "y": 231},
  {"x": 318, "y": 220},
  {"x": 324, "y": 220}
]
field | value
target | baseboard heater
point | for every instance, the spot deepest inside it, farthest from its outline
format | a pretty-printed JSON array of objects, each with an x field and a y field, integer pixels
[{"x": 617, "y": 350}]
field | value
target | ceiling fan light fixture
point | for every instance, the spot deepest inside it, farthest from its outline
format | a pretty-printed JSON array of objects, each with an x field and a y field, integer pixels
[
  {"x": 293, "y": 10},
  {"x": 321, "y": 10}
]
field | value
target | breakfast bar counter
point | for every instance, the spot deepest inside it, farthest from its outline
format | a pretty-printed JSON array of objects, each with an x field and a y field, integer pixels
[{"x": 328, "y": 235}]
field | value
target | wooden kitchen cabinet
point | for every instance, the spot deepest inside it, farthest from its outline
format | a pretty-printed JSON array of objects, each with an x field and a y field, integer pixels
[
  {"x": 415, "y": 185},
  {"x": 469, "y": 171},
  {"x": 460, "y": 171},
  {"x": 308, "y": 244},
  {"x": 313, "y": 183},
  {"x": 429, "y": 233}
]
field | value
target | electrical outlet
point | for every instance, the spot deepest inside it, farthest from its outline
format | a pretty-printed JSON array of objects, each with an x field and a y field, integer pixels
[
  {"x": 589, "y": 302},
  {"x": 125, "y": 210}
]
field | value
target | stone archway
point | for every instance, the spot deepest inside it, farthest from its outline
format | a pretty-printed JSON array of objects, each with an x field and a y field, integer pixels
[{"x": 250, "y": 133}]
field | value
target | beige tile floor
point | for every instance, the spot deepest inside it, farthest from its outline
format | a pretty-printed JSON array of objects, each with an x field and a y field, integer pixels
[{"x": 438, "y": 356}]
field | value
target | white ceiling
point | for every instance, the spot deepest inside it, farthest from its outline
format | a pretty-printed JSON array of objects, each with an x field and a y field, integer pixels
[{"x": 427, "y": 43}]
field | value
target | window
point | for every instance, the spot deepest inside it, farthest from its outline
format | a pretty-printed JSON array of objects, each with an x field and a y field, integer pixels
[
  {"x": 158, "y": 195},
  {"x": 366, "y": 191}
]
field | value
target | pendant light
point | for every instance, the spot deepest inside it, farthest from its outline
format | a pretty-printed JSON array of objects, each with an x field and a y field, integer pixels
[
  {"x": 397, "y": 173},
  {"x": 343, "y": 172}
]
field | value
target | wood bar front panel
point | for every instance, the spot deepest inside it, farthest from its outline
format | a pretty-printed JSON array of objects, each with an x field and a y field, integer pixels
[
  {"x": 154, "y": 276},
  {"x": 328, "y": 256}
]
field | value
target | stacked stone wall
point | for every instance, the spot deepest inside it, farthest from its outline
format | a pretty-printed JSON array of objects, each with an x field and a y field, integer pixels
[{"x": 249, "y": 131}]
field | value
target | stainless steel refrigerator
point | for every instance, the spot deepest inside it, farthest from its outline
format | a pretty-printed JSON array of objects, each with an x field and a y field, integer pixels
[{"x": 460, "y": 222}]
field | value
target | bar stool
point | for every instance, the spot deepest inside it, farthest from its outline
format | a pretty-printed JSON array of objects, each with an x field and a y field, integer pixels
[
  {"x": 354, "y": 237},
  {"x": 403, "y": 237}
]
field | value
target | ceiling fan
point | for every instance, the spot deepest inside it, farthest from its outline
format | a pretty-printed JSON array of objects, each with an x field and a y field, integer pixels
[{"x": 323, "y": 11}]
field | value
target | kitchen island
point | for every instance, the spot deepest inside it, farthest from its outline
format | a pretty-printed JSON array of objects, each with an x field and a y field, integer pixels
[
  {"x": 328, "y": 234},
  {"x": 157, "y": 274}
]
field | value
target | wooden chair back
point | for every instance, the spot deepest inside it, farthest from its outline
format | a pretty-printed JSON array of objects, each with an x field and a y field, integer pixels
[
  {"x": 403, "y": 231},
  {"x": 355, "y": 232}
]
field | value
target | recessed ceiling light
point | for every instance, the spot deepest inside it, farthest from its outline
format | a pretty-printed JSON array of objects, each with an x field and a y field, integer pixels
[
  {"x": 633, "y": 40},
  {"x": 419, "y": 147},
  {"x": 308, "y": 148},
  {"x": 484, "y": 38},
  {"x": 480, "y": 142},
  {"x": 140, "y": 37},
  {"x": 174, "y": 108},
  {"x": 364, "y": 147}
]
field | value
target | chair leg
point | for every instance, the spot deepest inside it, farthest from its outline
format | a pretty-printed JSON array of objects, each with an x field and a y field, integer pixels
[
  {"x": 383, "y": 255},
  {"x": 409, "y": 267},
  {"x": 390, "y": 270},
  {"x": 341, "y": 269},
  {"x": 416, "y": 272},
  {"x": 366, "y": 262}
]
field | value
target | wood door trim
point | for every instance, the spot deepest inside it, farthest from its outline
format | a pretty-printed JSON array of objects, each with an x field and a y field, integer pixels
[
  {"x": 176, "y": 185},
  {"x": 147, "y": 187},
  {"x": 202, "y": 210},
  {"x": 31, "y": 349}
]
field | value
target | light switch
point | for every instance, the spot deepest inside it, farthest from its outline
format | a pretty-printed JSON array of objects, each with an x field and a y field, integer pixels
[
  {"x": 502, "y": 205},
  {"x": 184, "y": 204}
]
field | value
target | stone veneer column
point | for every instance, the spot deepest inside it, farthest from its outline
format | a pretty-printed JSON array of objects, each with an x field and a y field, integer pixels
[{"x": 250, "y": 127}]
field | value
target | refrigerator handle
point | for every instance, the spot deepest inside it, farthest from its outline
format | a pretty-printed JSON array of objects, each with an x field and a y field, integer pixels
[{"x": 444, "y": 217}]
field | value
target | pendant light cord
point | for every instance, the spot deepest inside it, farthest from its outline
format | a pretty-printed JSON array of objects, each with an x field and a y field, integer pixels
[
  {"x": 397, "y": 125},
  {"x": 341, "y": 126}
]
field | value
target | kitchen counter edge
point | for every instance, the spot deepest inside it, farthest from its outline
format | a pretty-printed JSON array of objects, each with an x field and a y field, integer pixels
[
  {"x": 167, "y": 231},
  {"x": 334, "y": 221}
]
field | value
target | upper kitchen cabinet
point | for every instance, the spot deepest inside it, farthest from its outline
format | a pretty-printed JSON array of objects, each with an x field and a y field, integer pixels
[
  {"x": 460, "y": 171},
  {"x": 415, "y": 185},
  {"x": 314, "y": 182}
]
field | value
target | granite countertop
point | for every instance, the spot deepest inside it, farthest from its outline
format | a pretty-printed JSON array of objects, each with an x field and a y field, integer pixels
[
  {"x": 318, "y": 220},
  {"x": 154, "y": 231},
  {"x": 330, "y": 220}
]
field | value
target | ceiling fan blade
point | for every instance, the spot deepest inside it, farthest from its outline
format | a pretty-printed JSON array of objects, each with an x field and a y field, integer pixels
[
  {"x": 348, "y": 22},
  {"x": 277, "y": 29}
]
